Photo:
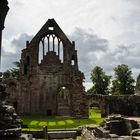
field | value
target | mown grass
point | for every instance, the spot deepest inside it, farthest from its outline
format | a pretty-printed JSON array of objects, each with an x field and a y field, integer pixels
[{"x": 38, "y": 122}]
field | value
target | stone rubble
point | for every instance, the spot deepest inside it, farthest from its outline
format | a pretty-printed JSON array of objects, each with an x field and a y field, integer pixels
[{"x": 115, "y": 127}]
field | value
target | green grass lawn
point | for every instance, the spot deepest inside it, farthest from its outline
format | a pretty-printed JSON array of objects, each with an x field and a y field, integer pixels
[{"x": 38, "y": 122}]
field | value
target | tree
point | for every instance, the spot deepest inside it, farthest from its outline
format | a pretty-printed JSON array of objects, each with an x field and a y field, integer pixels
[
  {"x": 100, "y": 81},
  {"x": 123, "y": 82},
  {"x": 14, "y": 72}
]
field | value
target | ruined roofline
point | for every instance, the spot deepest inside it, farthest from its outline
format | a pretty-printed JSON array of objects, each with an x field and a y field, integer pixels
[{"x": 51, "y": 23}]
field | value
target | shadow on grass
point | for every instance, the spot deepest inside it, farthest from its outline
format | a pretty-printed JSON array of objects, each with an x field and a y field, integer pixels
[
  {"x": 38, "y": 122},
  {"x": 58, "y": 123}
]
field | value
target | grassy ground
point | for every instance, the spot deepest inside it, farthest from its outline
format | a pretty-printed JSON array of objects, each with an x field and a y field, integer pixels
[{"x": 38, "y": 122}]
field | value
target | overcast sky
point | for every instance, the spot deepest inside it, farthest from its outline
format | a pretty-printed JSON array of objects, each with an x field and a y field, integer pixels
[{"x": 106, "y": 32}]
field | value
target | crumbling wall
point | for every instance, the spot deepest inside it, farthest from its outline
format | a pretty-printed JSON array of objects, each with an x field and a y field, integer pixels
[
  {"x": 128, "y": 105},
  {"x": 44, "y": 71}
]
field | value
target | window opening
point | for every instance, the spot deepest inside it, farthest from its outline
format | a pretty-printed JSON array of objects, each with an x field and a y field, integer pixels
[
  {"x": 51, "y": 28},
  {"x": 50, "y": 43}
]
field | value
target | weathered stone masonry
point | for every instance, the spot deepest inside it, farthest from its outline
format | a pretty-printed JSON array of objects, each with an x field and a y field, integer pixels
[
  {"x": 128, "y": 105},
  {"x": 48, "y": 63}
]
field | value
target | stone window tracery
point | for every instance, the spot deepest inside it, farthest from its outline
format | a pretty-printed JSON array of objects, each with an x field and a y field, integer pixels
[{"x": 50, "y": 43}]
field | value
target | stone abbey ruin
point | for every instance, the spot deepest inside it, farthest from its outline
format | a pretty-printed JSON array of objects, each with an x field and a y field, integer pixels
[
  {"x": 50, "y": 81},
  {"x": 51, "y": 84}
]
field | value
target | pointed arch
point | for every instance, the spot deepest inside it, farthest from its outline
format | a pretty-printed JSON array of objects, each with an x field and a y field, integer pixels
[{"x": 50, "y": 43}]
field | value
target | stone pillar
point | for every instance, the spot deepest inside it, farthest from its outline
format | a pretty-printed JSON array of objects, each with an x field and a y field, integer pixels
[{"x": 3, "y": 12}]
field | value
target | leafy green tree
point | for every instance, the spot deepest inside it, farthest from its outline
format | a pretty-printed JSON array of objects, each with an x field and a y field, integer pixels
[
  {"x": 123, "y": 83},
  {"x": 100, "y": 80},
  {"x": 12, "y": 73}
]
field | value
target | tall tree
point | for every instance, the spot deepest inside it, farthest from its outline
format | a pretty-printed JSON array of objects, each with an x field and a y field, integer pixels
[
  {"x": 100, "y": 81},
  {"x": 123, "y": 82},
  {"x": 13, "y": 73}
]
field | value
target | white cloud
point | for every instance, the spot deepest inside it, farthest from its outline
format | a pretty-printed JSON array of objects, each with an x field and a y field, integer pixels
[
  {"x": 11, "y": 50},
  {"x": 104, "y": 16},
  {"x": 7, "y": 47},
  {"x": 116, "y": 20}
]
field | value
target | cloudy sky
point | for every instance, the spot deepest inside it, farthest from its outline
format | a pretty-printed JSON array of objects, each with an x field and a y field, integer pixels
[{"x": 106, "y": 32}]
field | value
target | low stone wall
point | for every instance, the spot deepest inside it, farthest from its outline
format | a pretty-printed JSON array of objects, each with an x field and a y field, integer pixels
[
  {"x": 124, "y": 105},
  {"x": 128, "y": 105},
  {"x": 55, "y": 134}
]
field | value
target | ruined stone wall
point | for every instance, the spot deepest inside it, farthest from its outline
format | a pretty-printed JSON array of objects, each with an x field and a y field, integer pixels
[
  {"x": 125, "y": 105},
  {"x": 40, "y": 81},
  {"x": 128, "y": 105}
]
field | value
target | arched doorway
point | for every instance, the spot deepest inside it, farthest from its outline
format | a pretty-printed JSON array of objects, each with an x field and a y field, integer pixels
[
  {"x": 94, "y": 110},
  {"x": 63, "y": 102}
]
